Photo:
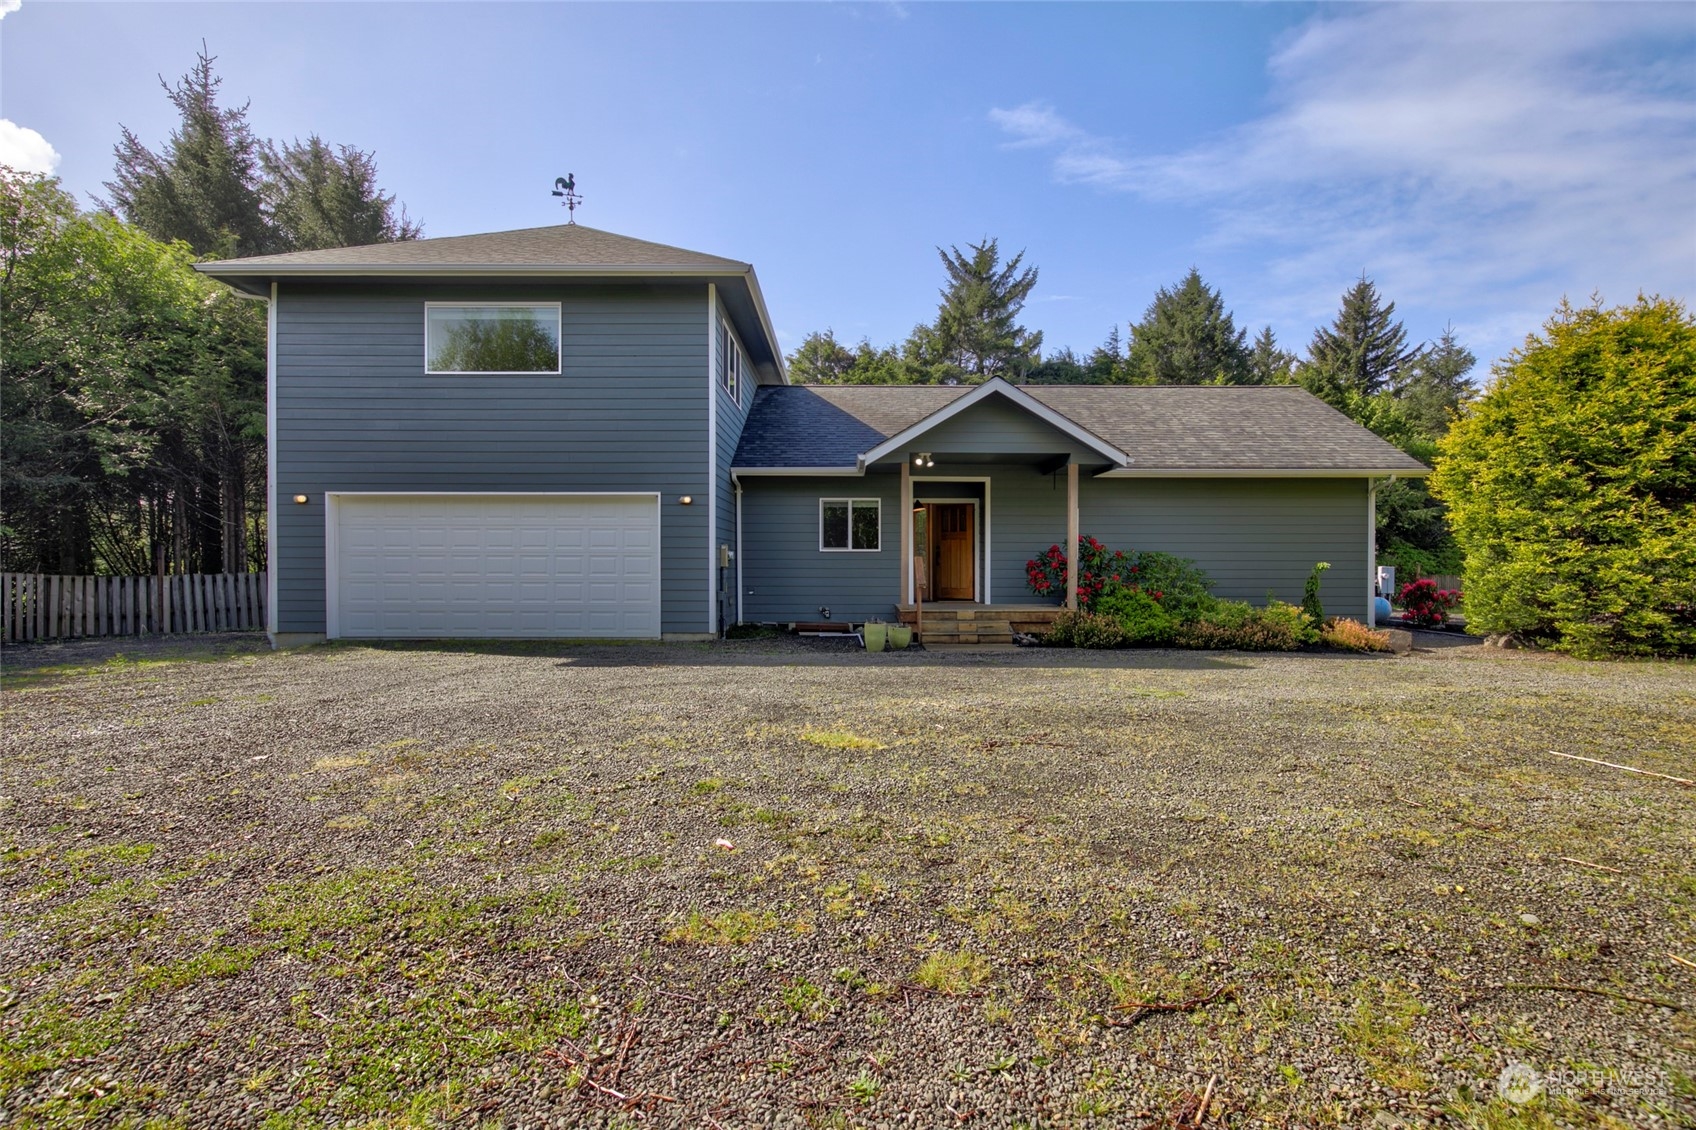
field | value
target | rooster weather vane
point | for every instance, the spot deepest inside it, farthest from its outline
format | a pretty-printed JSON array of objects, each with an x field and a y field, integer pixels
[{"x": 566, "y": 187}]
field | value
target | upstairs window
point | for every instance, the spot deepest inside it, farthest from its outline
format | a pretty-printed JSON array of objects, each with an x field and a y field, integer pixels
[
  {"x": 508, "y": 337},
  {"x": 850, "y": 525},
  {"x": 730, "y": 356}
]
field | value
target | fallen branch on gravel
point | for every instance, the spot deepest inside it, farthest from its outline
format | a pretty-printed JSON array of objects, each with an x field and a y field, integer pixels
[
  {"x": 1206, "y": 1100},
  {"x": 1682, "y": 960},
  {"x": 1142, "y": 1009},
  {"x": 1587, "y": 863},
  {"x": 1627, "y": 768},
  {"x": 1563, "y": 987}
]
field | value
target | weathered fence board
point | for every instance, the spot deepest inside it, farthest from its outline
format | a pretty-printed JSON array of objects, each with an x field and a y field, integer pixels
[{"x": 38, "y": 607}]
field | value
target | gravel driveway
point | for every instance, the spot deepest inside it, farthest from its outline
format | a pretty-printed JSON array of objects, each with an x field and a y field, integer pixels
[{"x": 785, "y": 883}]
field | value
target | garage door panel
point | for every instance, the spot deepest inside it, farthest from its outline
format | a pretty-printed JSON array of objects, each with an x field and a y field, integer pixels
[{"x": 478, "y": 566}]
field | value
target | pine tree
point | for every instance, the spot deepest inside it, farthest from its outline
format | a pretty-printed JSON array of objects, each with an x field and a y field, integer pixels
[
  {"x": 1106, "y": 362},
  {"x": 1268, "y": 364},
  {"x": 1435, "y": 385},
  {"x": 318, "y": 196},
  {"x": 820, "y": 359},
  {"x": 204, "y": 187},
  {"x": 977, "y": 332},
  {"x": 1187, "y": 337},
  {"x": 1363, "y": 352}
]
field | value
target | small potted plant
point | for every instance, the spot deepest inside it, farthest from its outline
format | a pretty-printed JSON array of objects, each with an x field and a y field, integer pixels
[
  {"x": 900, "y": 637},
  {"x": 876, "y": 634}
]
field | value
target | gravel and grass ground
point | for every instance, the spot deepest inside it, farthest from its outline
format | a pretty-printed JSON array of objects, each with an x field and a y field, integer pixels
[{"x": 779, "y": 883}]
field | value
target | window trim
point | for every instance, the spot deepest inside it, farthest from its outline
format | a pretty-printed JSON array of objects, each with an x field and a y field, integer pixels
[
  {"x": 851, "y": 503},
  {"x": 731, "y": 367},
  {"x": 559, "y": 340}
]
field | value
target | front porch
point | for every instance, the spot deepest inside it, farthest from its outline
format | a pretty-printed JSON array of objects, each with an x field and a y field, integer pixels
[{"x": 967, "y": 621}]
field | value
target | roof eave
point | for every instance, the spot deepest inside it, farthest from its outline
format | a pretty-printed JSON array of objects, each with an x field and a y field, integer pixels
[
  {"x": 1264, "y": 472},
  {"x": 998, "y": 387}
]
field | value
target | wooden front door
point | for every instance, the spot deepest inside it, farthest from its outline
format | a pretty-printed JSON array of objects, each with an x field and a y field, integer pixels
[{"x": 955, "y": 540}]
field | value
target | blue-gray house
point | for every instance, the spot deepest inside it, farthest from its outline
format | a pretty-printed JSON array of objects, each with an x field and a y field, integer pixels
[{"x": 561, "y": 432}]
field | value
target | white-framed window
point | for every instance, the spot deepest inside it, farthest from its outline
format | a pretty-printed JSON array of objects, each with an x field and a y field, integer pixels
[
  {"x": 491, "y": 337},
  {"x": 730, "y": 354},
  {"x": 850, "y": 525}
]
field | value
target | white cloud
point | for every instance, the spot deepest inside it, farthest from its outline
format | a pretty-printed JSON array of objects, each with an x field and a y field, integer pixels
[
  {"x": 7, "y": 7},
  {"x": 1480, "y": 159},
  {"x": 24, "y": 149}
]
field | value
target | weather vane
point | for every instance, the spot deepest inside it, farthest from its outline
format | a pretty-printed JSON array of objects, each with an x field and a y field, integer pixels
[{"x": 566, "y": 187}]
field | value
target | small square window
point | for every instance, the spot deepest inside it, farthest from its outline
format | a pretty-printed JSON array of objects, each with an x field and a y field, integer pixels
[
  {"x": 850, "y": 525},
  {"x": 495, "y": 338}
]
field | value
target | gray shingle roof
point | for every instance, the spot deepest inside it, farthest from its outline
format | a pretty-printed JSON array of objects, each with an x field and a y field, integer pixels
[
  {"x": 1277, "y": 428},
  {"x": 560, "y": 245}
]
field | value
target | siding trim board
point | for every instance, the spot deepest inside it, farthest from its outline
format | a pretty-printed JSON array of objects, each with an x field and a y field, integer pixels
[
  {"x": 713, "y": 389},
  {"x": 271, "y": 563}
]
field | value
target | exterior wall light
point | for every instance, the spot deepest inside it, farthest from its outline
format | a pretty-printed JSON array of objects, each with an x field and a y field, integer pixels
[
  {"x": 923, "y": 459},
  {"x": 301, "y": 499},
  {"x": 687, "y": 500}
]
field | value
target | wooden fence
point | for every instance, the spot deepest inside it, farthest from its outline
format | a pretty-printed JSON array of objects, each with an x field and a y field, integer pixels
[{"x": 38, "y": 607}]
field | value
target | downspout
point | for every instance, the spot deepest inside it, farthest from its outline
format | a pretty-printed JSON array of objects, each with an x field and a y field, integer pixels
[{"x": 737, "y": 483}]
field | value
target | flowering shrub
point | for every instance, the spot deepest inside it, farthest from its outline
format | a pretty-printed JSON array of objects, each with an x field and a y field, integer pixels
[
  {"x": 1085, "y": 629},
  {"x": 1427, "y": 605},
  {"x": 1140, "y": 614},
  {"x": 1352, "y": 635},
  {"x": 1098, "y": 569}
]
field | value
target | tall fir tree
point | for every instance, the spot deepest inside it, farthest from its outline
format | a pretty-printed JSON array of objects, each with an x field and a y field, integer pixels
[
  {"x": 1363, "y": 352},
  {"x": 203, "y": 188},
  {"x": 820, "y": 359},
  {"x": 977, "y": 332},
  {"x": 1435, "y": 385},
  {"x": 320, "y": 196},
  {"x": 1187, "y": 337},
  {"x": 1267, "y": 363}
]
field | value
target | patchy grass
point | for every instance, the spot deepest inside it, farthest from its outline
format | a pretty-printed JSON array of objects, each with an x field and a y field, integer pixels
[{"x": 519, "y": 874}]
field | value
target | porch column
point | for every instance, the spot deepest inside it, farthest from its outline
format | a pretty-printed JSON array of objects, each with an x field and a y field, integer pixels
[
  {"x": 906, "y": 530},
  {"x": 1072, "y": 536}
]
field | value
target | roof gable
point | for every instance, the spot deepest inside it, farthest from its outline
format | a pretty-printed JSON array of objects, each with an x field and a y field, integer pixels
[
  {"x": 995, "y": 389},
  {"x": 562, "y": 246}
]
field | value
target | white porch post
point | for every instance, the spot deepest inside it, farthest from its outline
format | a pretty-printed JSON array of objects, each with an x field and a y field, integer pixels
[
  {"x": 906, "y": 596},
  {"x": 1072, "y": 536}
]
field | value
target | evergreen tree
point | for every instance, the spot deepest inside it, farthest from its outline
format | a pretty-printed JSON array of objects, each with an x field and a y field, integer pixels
[
  {"x": 1435, "y": 385},
  {"x": 1187, "y": 337},
  {"x": 1362, "y": 353},
  {"x": 1062, "y": 368},
  {"x": 204, "y": 187},
  {"x": 318, "y": 196},
  {"x": 976, "y": 332},
  {"x": 1106, "y": 364},
  {"x": 820, "y": 359},
  {"x": 1268, "y": 364}
]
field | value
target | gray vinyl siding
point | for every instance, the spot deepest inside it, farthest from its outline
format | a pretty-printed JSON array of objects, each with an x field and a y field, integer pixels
[
  {"x": 356, "y": 412},
  {"x": 995, "y": 427},
  {"x": 732, "y": 415},
  {"x": 1253, "y": 536},
  {"x": 786, "y": 577}
]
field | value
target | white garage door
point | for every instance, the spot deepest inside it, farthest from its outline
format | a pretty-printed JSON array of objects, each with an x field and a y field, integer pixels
[{"x": 428, "y": 566}]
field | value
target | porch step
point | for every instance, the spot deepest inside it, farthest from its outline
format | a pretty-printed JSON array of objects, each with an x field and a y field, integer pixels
[{"x": 951, "y": 623}]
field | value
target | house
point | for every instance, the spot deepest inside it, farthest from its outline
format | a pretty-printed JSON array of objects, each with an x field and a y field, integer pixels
[{"x": 562, "y": 432}]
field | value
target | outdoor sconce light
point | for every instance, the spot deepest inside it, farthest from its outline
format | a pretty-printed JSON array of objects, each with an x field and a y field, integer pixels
[
  {"x": 923, "y": 459},
  {"x": 687, "y": 500},
  {"x": 301, "y": 499}
]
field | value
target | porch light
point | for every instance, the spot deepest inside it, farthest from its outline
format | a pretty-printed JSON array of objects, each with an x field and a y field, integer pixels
[
  {"x": 300, "y": 499},
  {"x": 923, "y": 459},
  {"x": 686, "y": 500}
]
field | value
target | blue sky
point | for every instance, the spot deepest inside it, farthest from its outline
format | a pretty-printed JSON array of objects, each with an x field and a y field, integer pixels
[{"x": 1478, "y": 161}]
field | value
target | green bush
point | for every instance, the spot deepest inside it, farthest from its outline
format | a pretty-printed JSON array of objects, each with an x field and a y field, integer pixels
[
  {"x": 1310, "y": 605},
  {"x": 1181, "y": 585},
  {"x": 1571, "y": 484},
  {"x": 1237, "y": 626},
  {"x": 1144, "y": 620},
  {"x": 1085, "y": 629}
]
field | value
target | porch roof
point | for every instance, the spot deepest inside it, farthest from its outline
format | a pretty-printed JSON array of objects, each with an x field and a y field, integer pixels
[{"x": 1165, "y": 429}]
